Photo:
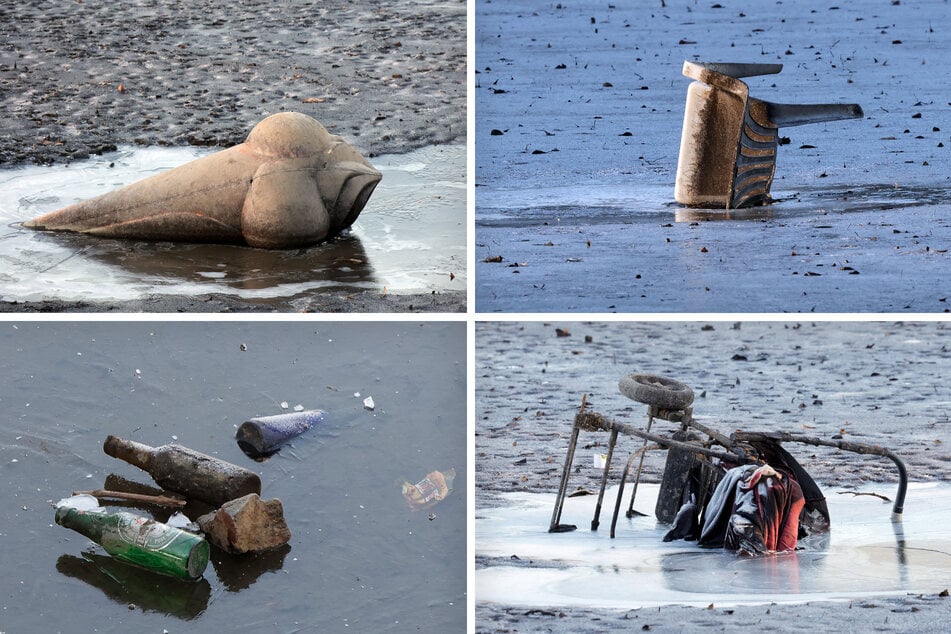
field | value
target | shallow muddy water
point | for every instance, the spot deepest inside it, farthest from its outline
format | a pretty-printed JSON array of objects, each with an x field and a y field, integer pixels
[
  {"x": 359, "y": 559},
  {"x": 410, "y": 238},
  {"x": 866, "y": 553}
]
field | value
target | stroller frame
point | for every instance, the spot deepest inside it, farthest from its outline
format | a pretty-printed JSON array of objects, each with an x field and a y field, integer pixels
[{"x": 734, "y": 449}]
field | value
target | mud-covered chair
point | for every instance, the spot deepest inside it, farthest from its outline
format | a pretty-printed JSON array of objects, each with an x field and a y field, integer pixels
[{"x": 728, "y": 147}]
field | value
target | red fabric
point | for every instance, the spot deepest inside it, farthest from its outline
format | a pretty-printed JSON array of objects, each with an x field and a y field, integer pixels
[{"x": 779, "y": 501}]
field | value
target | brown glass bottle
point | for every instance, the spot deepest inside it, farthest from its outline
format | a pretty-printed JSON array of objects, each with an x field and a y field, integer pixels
[{"x": 187, "y": 471}]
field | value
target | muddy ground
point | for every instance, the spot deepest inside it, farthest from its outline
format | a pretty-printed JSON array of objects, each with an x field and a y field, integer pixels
[
  {"x": 81, "y": 78},
  {"x": 361, "y": 302}
]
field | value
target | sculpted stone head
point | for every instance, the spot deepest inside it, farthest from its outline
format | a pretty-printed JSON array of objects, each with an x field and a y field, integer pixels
[{"x": 291, "y": 183}]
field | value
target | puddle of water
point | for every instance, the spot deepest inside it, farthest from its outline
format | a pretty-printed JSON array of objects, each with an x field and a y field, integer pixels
[
  {"x": 864, "y": 554},
  {"x": 597, "y": 203},
  {"x": 590, "y": 202},
  {"x": 409, "y": 238}
]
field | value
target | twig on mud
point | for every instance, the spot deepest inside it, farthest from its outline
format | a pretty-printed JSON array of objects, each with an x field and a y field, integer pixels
[{"x": 876, "y": 495}]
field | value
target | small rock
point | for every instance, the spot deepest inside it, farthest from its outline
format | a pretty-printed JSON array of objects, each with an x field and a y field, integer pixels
[
  {"x": 247, "y": 524},
  {"x": 368, "y": 403}
]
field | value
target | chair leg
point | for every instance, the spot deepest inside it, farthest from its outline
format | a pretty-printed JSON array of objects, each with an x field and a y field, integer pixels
[{"x": 556, "y": 526}]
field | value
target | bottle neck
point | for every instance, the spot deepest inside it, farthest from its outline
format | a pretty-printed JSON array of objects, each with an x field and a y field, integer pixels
[
  {"x": 135, "y": 453},
  {"x": 88, "y": 523}
]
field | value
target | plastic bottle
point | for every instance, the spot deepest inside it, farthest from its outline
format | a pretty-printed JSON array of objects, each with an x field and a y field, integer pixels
[
  {"x": 141, "y": 541},
  {"x": 430, "y": 490},
  {"x": 187, "y": 471}
]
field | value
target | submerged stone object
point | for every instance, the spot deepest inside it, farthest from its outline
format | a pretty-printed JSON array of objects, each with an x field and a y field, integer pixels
[
  {"x": 290, "y": 184},
  {"x": 247, "y": 524},
  {"x": 728, "y": 146}
]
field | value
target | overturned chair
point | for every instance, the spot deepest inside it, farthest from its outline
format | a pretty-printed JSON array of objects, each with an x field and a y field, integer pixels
[
  {"x": 728, "y": 147},
  {"x": 698, "y": 456}
]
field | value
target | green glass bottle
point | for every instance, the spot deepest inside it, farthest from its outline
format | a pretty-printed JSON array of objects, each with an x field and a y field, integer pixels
[{"x": 141, "y": 541}]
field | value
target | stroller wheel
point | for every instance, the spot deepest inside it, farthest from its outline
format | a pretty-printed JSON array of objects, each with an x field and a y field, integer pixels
[{"x": 657, "y": 391}]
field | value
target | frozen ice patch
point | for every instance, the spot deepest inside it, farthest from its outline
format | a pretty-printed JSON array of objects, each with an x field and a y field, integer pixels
[
  {"x": 865, "y": 553},
  {"x": 81, "y": 502}
]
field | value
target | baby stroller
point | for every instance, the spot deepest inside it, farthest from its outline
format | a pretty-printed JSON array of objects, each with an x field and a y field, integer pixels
[{"x": 744, "y": 492}]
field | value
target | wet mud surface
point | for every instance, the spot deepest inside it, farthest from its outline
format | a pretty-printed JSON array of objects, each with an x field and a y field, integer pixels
[
  {"x": 81, "y": 78},
  {"x": 577, "y": 137},
  {"x": 358, "y": 302},
  {"x": 359, "y": 558},
  {"x": 881, "y": 383},
  {"x": 919, "y": 613}
]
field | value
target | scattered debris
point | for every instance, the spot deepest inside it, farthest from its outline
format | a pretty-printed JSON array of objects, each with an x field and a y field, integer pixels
[
  {"x": 430, "y": 490},
  {"x": 160, "y": 500},
  {"x": 263, "y": 435}
]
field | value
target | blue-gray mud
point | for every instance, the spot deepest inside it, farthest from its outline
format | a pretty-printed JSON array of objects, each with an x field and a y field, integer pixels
[{"x": 579, "y": 109}]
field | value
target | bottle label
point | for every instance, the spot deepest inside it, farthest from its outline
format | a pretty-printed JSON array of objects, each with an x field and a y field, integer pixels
[{"x": 144, "y": 533}]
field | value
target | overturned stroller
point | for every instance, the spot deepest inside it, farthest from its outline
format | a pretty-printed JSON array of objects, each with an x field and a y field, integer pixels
[{"x": 743, "y": 492}]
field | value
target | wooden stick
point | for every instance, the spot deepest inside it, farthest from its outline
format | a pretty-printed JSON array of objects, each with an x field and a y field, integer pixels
[
  {"x": 161, "y": 500},
  {"x": 874, "y": 495}
]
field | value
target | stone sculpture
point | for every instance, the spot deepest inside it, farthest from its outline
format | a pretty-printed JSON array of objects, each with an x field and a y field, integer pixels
[{"x": 290, "y": 184}]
